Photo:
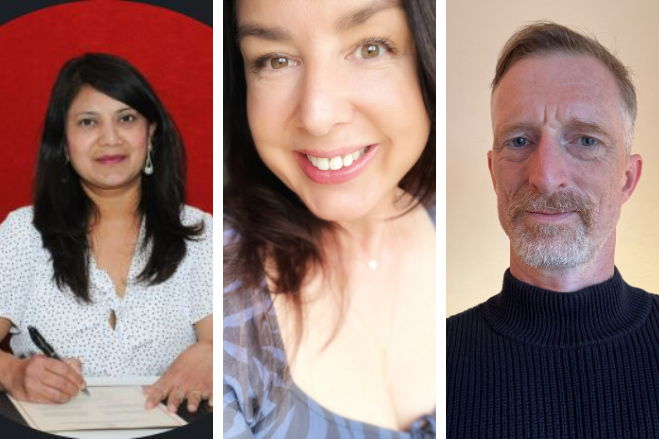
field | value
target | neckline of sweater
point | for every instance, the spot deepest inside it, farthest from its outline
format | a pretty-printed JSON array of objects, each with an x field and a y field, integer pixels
[{"x": 595, "y": 314}]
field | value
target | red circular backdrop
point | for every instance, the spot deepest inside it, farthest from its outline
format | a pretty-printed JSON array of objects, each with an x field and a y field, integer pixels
[{"x": 173, "y": 51}]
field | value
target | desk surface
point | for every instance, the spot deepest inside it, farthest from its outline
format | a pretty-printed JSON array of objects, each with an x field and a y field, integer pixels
[{"x": 8, "y": 410}]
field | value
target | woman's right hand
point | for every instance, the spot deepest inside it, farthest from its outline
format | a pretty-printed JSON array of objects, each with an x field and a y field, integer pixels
[{"x": 45, "y": 380}]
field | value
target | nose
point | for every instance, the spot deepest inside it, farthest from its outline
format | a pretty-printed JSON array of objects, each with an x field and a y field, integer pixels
[
  {"x": 548, "y": 168},
  {"x": 324, "y": 99},
  {"x": 109, "y": 134}
]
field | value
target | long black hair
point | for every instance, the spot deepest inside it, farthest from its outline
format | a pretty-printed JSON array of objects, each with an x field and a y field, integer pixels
[
  {"x": 271, "y": 219},
  {"x": 63, "y": 211}
]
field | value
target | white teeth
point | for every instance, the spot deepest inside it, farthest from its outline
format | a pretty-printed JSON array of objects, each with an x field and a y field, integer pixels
[{"x": 336, "y": 163}]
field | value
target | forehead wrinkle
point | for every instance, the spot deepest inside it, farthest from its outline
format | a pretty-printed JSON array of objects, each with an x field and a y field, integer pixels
[{"x": 582, "y": 97}]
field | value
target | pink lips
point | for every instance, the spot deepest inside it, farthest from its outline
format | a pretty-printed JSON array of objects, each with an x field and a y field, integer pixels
[
  {"x": 111, "y": 159},
  {"x": 342, "y": 175}
]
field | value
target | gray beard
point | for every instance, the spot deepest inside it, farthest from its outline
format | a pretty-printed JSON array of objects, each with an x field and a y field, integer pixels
[{"x": 550, "y": 246}]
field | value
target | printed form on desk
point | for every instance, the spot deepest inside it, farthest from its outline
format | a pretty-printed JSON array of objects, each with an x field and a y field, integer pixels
[{"x": 109, "y": 408}]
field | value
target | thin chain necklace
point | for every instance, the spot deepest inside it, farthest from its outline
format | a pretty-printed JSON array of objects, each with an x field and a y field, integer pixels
[
  {"x": 392, "y": 319},
  {"x": 373, "y": 263}
]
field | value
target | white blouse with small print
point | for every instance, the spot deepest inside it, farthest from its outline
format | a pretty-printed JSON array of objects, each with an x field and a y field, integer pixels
[{"x": 154, "y": 323}]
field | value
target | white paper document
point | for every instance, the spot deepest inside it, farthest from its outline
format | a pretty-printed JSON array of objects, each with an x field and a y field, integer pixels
[{"x": 107, "y": 408}]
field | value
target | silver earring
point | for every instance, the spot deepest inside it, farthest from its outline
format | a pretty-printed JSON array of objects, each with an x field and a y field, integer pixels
[{"x": 148, "y": 167}]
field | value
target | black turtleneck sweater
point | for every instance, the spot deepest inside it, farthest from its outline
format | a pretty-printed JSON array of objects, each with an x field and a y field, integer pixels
[{"x": 532, "y": 363}]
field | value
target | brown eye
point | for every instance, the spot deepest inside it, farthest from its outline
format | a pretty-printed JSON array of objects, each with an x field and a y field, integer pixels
[
  {"x": 279, "y": 63},
  {"x": 370, "y": 51},
  {"x": 86, "y": 122}
]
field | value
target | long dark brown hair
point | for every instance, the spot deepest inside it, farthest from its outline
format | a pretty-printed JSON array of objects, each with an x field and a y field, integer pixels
[
  {"x": 62, "y": 209},
  {"x": 269, "y": 218}
]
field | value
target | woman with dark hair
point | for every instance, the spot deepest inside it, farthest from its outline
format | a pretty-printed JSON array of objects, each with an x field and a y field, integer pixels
[
  {"x": 329, "y": 241},
  {"x": 109, "y": 263}
]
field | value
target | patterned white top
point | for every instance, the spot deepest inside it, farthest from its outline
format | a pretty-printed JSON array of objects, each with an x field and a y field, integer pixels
[{"x": 154, "y": 323}]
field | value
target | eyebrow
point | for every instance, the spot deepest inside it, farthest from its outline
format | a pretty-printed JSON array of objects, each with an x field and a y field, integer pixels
[
  {"x": 345, "y": 22},
  {"x": 96, "y": 113},
  {"x": 353, "y": 19},
  {"x": 575, "y": 122},
  {"x": 591, "y": 126},
  {"x": 264, "y": 33},
  {"x": 510, "y": 128}
]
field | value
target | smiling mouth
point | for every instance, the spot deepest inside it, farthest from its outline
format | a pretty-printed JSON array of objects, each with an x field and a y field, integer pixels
[
  {"x": 338, "y": 162},
  {"x": 109, "y": 160}
]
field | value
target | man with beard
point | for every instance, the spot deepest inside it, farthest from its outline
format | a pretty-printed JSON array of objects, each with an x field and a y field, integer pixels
[{"x": 567, "y": 349}]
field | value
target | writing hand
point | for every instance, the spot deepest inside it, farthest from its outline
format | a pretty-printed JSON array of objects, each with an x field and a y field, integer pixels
[
  {"x": 45, "y": 380},
  {"x": 189, "y": 377}
]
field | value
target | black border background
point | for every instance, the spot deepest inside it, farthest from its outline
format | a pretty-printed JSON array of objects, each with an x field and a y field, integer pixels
[{"x": 200, "y": 10}]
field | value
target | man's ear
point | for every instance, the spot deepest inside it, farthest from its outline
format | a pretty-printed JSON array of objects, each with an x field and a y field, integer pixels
[
  {"x": 489, "y": 165},
  {"x": 632, "y": 176}
]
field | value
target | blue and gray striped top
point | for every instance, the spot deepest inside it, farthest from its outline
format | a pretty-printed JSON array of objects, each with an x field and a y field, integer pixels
[{"x": 260, "y": 400}]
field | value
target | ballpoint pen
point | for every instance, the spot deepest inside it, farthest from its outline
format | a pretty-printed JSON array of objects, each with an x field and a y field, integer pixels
[{"x": 46, "y": 348}]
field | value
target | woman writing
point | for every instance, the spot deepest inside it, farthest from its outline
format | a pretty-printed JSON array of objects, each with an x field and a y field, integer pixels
[
  {"x": 329, "y": 254},
  {"x": 109, "y": 264}
]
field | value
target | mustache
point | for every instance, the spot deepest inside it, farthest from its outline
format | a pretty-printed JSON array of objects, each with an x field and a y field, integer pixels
[{"x": 568, "y": 200}]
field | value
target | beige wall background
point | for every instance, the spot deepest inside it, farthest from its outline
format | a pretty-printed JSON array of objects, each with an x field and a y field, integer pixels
[{"x": 477, "y": 250}]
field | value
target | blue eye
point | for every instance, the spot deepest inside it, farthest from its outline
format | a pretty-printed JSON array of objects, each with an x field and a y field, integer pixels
[
  {"x": 588, "y": 141},
  {"x": 519, "y": 142}
]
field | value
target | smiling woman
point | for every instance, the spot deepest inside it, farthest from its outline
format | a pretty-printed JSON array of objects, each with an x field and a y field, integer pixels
[
  {"x": 329, "y": 301},
  {"x": 96, "y": 122},
  {"x": 109, "y": 263}
]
